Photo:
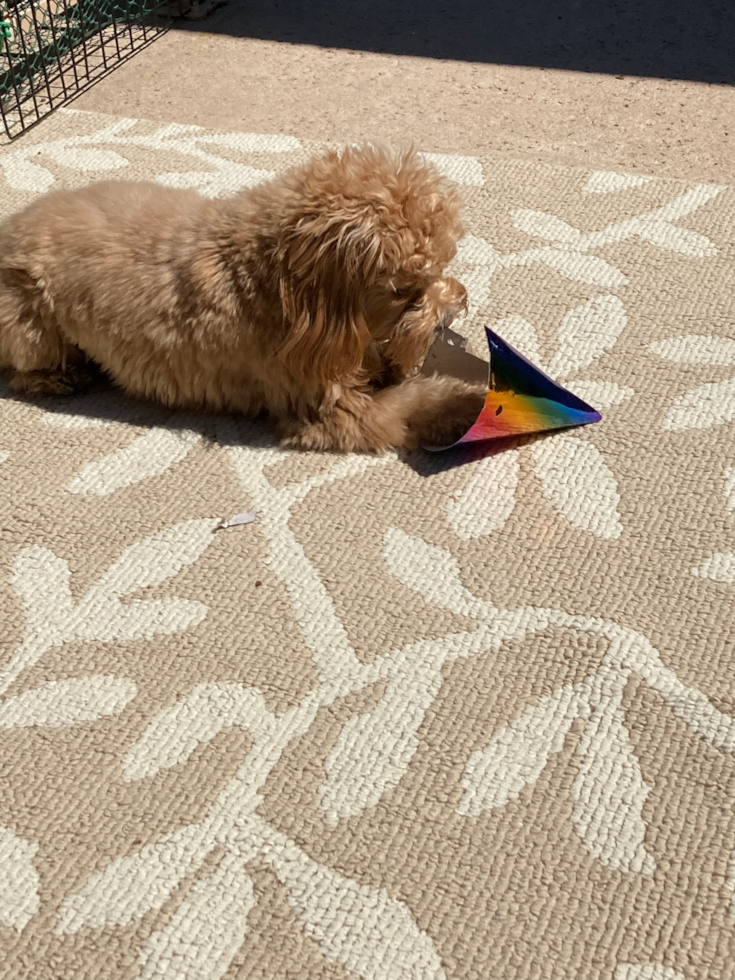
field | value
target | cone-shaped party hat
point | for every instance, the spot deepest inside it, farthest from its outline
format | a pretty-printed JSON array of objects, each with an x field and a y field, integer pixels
[{"x": 520, "y": 399}]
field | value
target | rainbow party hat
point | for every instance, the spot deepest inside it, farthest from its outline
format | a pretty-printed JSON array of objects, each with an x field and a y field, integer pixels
[{"x": 520, "y": 399}]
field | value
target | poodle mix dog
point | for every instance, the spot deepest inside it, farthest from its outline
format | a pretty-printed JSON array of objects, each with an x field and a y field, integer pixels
[{"x": 313, "y": 298}]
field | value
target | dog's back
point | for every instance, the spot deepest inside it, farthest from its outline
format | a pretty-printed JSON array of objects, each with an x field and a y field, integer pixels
[{"x": 113, "y": 272}]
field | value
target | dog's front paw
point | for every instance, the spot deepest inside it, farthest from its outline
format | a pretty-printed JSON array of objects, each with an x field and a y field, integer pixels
[
  {"x": 342, "y": 434},
  {"x": 307, "y": 438}
]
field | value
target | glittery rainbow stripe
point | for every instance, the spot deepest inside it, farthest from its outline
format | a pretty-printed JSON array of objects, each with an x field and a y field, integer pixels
[
  {"x": 510, "y": 414},
  {"x": 521, "y": 399}
]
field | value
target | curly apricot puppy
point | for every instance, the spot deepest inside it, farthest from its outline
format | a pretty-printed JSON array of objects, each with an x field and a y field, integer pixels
[{"x": 314, "y": 297}]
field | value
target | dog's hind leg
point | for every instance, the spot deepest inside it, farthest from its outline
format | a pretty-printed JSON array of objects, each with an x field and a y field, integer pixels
[
  {"x": 41, "y": 360},
  {"x": 62, "y": 381}
]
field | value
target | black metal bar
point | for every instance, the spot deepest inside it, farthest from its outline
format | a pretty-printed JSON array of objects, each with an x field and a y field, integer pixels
[
  {"x": 14, "y": 83},
  {"x": 21, "y": 35},
  {"x": 39, "y": 46},
  {"x": 58, "y": 48},
  {"x": 79, "y": 10},
  {"x": 100, "y": 36},
  {"x": 129, "y": 25},
  {"x": 115, "y": 35}
]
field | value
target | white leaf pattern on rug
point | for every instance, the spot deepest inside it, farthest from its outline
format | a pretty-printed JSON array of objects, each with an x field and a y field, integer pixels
[
  {"x": 720, "y": 567},
  {"x": 681, "y": 240},
  {"x": 148, "y": 456},
  {"x": 694, "y": 708},
  {"x": 19, "y": 883},
  {"x": 475, "y": 250},
  {"x": 609, "y": 792},
  {"x": 646, "y": 971},
  {"x": 22, "y": 175},
  {"x": 656, "y": 226},
  {"x": 488, "y": 497},
  {"x": 521, "y": 334},
  {"x": 370, "y": 934},
  {"x": 137, "y": 619},
  {"x": 707, "y": 405},
  {"x": 477, "y": 260},
  {"x": 42, "y": 581},
  {"x": 375, "y": 749},
  {"x": 86, "y": 153},
  {"x": 539, "y": 224},
  {"x": 601, "y": 394},
  {"x": 235, "y": 808},
  {"x": 518, "y": 753},
  {"x": 206, "y": 930},
  {"x": 154, "y": 559},
  {"x": 228, "y": 180},
  {"x": 586, "y": 333},
  {"x": 176, "y": 731},
  {"x": 313, "y": 607},
  {"x": 730, "y": 883},
  {"x": 460, "y": 169},
  {"x": 703, "y": 407},
  {"x": 730, "y": 488},
  {"x": 611, "y": 182},
  {"x": 58, "y": 704},
  {"x": 131, "y": 886},
  {"x": 431, "y": 571},
  {"x": 578, "y": 483},
  {"x": 78, "y": 158},
  {"x": 580, "y": 267},
  {"x": 696, "y": 349}
]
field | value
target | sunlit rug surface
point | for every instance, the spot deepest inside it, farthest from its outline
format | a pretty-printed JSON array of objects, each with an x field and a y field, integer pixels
[{"x": 420, "y": 721}]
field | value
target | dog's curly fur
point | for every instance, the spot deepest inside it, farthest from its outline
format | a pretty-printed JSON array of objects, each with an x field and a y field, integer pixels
[{"x": 313, "y": 298}]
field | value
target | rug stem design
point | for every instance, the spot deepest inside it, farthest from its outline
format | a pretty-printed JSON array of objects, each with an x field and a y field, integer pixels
[{"x": 370, "y": 756}]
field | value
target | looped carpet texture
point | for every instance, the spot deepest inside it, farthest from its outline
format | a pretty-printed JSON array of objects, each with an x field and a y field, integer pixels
[{"x": 428, "y": 718}]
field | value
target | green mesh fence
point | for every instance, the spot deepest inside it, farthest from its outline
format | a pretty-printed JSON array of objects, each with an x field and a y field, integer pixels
[{"x": 52, "y": 49}]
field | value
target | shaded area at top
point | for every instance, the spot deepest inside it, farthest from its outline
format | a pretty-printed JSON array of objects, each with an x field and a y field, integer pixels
[{"x": 684, "y": 39}]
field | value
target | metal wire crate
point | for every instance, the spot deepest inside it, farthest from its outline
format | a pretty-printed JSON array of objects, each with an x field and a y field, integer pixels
[{"x": 50, "y": 50}]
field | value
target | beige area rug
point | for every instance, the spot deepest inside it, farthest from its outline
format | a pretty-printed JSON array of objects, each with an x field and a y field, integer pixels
[{"x": 420, "y": 721}]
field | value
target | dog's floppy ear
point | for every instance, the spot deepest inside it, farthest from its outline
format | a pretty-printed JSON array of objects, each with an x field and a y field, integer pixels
[{"x": 326, "y": 261}]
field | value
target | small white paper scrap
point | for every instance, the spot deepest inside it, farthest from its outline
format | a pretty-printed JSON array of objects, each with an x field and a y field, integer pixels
[{"x": 247, "y": 518}]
